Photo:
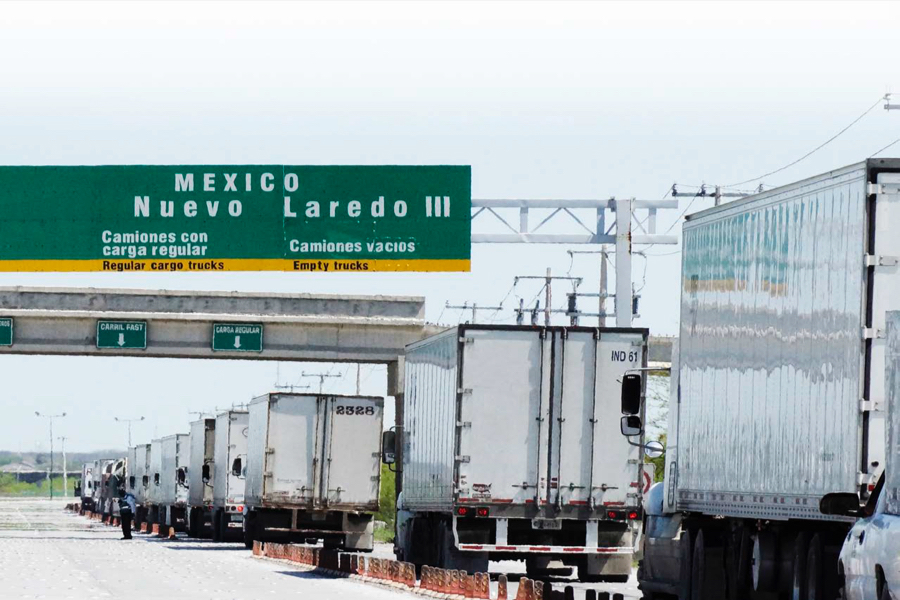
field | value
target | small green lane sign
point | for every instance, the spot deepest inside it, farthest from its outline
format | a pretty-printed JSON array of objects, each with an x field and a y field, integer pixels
[
  {"x": 6, "y": 331},
  {"x": 237, "y": 337},
  {"x": 122, "y": 334}
]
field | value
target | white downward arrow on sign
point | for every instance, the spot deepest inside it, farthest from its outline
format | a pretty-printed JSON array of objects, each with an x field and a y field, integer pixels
[
  {"x": 237, "y": 341},
  {"x": 121, "y": 339}
]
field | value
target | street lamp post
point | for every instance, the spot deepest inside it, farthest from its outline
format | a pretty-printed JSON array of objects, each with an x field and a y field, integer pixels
[
  {"x": 129, "y": 422},
  {"x": 50, "y": 468},
  {"x": 62, "y": 438}
]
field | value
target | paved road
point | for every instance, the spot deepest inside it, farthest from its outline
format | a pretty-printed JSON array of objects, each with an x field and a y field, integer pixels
[{"x": 48, "y": 553}]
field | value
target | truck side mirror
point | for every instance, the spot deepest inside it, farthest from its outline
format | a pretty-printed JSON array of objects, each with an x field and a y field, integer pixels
[
  {"x": 131, "y": 481},
  {"x": 389, "y": 447},
  {"x": 842, "y": 504},
  {"x": 654, "y": 449},
  {"x": 631, "y": 425},
  {"x": 181, "y": 475},
  {"x": 205, "y": 473},
  {"x": 144, "y": 480},
  {"x": 632, "y": 388},
  {"x": 236, "y": 467},
  {"x": 156, "y": 479}
]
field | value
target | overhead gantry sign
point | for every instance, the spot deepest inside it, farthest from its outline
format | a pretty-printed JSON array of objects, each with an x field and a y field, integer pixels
[{"x": 189, "y": 324}]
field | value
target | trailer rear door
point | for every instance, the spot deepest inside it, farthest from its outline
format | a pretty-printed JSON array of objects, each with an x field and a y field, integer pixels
[
  {"x": 352, "y": 466},
  {"x": 503, "y": 415},
  {"x": 615, "y": 474},
  {"x": 294, "y": 436}
]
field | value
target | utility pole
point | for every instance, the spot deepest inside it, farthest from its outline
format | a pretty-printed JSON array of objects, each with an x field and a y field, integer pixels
[
  {"x": 548, "y": 295},
  {"x": 50, "y": 468},
  {"x": 129, "y": 422},
  {"x": 474, "y": 308},
  {"x": 321, "y": 376},
  {"x": 65, "y": 468}
]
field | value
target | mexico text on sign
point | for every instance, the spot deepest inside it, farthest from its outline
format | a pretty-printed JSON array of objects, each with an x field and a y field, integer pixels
[
  {"x": 237, "y": 218},
  {"x": 122, "y": 334},
  {"x": 237, "y": 337},
  {"x": 6, "y": 331}
]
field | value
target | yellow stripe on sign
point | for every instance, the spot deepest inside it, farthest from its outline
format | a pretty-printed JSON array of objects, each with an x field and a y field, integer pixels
[{"x": 207, "y": 265}]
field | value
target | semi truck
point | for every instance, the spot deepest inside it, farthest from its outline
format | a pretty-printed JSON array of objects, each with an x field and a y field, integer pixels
[
  {"x": 201, "y": 478},
  {"x": 230, "y": 454},
  {"x": 778, "y": 387},
  {"x": 313, "y": 469},
  {"x": 173, "y": 491},
  {"x": 513, "y": 447}
]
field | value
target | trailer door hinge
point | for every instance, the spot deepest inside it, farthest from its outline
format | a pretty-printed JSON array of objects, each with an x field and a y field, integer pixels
[
  {"x": 464, "y": 391},
  {"x": 870, "y": 405},
  {"x": 466, "y": 340},
  {"x": 462, "y": 458},
  {"x": 463, "y": 424},
  {"x": 872, "y": 260},
  {"x": 883, "y": 188},
  {"x": 869, "y": 333}
]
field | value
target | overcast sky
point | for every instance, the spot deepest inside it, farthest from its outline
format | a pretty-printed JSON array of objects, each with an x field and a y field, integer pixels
[{"x": 543, "y": 100}]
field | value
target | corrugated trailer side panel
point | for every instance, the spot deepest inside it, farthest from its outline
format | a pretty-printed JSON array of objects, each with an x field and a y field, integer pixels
[
  {"x": 771, "y": 350},
  {"x": 430, "y": 406},
  {"x": 256, "y": 451}
]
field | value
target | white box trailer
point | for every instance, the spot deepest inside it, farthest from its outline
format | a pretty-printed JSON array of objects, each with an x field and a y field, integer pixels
[
  {"x": 138, "y": 482},
  {"x": 512, "y": 449},
  {"x": 201, "y": 477},
  {"x": 314, "y": 468},
  {"x": 154, "y": 493},
  {"x": 173, "y": 491},
  {"x": 232, "y": 431},
  {"x": 778, "y": 397},
  {"x": 87, "y": 487}
]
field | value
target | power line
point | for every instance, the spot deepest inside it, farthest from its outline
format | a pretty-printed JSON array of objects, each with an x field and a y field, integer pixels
[
  {"x": 817, "y": 148},
  {"x": 885, "y": 148}
]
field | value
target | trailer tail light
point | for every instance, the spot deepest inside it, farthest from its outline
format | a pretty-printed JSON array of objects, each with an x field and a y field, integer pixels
[
  {"x": 634, "y": 515},
  {"x": 614, "y": 515},
  {"x": 482, "y": 512},
  {"x": 462, "y": 511},
  {"x": 241, "y": 509}
]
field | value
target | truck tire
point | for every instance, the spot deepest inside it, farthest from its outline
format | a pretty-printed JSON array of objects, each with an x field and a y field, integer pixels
[
  {"x": 248, "y": 531},
  {"x": 685, "y": 555},
  {"x": 453, "y": 559},
  {"x": 698, "y": 567},
  {"x": 814, "y": 573},
  {"x": 194, "y": 516},
  {"x": 798, "y": 580}
]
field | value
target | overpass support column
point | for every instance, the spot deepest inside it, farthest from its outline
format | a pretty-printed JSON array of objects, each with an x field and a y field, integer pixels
[{"x": 395, "y": 374}]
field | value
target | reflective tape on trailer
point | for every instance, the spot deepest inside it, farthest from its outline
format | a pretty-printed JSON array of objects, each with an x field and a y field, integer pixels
[{"x": 547, "y": 549}]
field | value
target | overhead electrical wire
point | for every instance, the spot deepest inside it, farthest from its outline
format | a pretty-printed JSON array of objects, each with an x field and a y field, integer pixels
[
  {"x": 816, "y": 149},
  {"x": 885, "y": 148}
]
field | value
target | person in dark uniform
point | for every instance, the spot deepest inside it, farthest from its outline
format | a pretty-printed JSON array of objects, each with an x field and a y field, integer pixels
[{"x": 126, "y": 513}]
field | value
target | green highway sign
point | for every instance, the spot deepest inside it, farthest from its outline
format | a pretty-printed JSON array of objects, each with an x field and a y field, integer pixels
[
  {"x": 6, "y": 331},
  {"x": 122, "y": 334},
  {"x": 156, "y": 218},
  {"x": 237, "y": 337}
]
